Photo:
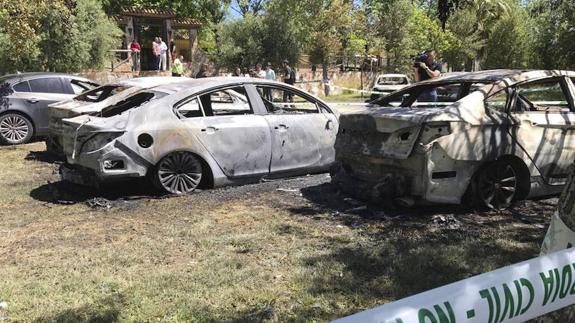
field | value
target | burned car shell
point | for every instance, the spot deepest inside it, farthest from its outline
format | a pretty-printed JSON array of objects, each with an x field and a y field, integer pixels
[
  {"x": 439, "y": 154},
  {"x": 231, "y": 148},
  {"x": 76, "y": 106}
]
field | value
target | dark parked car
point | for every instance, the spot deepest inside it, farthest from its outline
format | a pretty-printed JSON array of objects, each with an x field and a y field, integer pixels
[{"x": 24, "y": 100}]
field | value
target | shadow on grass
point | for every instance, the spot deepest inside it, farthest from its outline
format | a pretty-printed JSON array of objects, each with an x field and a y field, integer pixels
[
  {"x": 403, "y": 252},
  {"x": 45, "y": 157},
  {"x": 102, "y": 311},
  {"x": 63, "y": 192}
]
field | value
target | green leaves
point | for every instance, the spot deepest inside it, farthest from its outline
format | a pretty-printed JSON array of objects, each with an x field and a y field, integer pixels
[{"x": 55, "y": 36}]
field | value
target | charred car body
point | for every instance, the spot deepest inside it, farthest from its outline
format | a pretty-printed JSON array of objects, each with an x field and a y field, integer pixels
[
  {"x": 213, "y": 131},
  {"x": 24, "y": 100},
  {"x": 491, "y": 136},
  {"x": 93, "y": 102}
]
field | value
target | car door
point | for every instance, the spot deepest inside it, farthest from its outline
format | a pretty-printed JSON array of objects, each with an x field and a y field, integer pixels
[
  {"x": 544, "y": 125},
  {"x": 225, "y": 123},
  {"x": 303, "y": 131},
  {"x": 43, "y": 92}
]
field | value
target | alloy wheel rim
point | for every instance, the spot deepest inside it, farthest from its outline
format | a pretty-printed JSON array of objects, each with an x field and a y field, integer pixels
[
  {"x": 179, "y": 173},
  {"x": 14, "y": 128},
  {"x": 498, "y": 186}
]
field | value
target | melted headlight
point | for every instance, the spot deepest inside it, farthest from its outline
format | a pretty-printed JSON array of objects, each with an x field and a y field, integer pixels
[{"x": 96, "y": 141}]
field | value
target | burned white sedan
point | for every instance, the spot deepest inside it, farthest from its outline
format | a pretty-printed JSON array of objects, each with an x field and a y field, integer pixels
[
  {"x": 492, "y": 136},
  {"x": 209, "y": 132}
]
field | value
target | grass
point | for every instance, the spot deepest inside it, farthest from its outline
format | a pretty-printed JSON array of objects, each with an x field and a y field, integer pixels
[
  {"x": 271, "y": 256},
  {"x": 346, "y": 96}
]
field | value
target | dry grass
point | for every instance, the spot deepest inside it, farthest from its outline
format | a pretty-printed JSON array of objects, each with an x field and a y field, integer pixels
[{"x": 274, "y": 256}]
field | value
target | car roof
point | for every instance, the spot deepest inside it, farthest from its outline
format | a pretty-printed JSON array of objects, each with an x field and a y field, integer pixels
[
  {"x": 392, "y": 75},
  {"x": 209, "y": 82},
  {"x": 11, "y": 78},
  {"x": 150, "y": 81},
  {"x": 490, "y": 76}
]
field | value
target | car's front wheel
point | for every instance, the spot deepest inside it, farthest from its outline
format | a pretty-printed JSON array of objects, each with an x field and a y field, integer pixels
[
  {"x": 15, "y": 129},
  {"x": 179, "y": 172}
]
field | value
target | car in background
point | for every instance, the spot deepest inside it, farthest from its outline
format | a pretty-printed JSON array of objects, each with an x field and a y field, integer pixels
[
  {"x": 211, "y": 132},
  {"x": 24, "y": 100},
  {"x": 489, "y": 137},
  {"x": 388, "y": 83},
  {"x": 93, "y": 102}
]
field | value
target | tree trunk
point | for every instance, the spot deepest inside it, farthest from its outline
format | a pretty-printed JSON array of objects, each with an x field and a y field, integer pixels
[{"x": 325, "y": 77}]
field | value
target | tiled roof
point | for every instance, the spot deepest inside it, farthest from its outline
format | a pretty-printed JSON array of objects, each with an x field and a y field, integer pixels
[
  {"x": 186, "y": 23},
  {"x": 148, "y": 12}
]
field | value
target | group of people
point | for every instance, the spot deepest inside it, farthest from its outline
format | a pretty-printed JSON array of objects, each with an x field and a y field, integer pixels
[
  {"x": 287, "y": 76},
  {"x": 159, "y": 56}
]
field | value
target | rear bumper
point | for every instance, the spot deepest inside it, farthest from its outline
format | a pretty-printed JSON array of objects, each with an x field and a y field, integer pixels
[
  {"x": 384, "y": 188},
  {"x": 114, "y": 162}
]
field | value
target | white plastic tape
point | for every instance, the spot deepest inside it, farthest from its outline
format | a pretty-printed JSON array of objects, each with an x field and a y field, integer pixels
[
  {"x": 558, "y": 236},
  {"x": 516, "y": 293},
  {"x": 357, "y": 90}
]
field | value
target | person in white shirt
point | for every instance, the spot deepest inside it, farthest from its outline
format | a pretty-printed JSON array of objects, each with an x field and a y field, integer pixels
[
  {"x": 269, "y": 75},
  {"x": 163, "y": 55},
  {"x": 259, "y": 73}
]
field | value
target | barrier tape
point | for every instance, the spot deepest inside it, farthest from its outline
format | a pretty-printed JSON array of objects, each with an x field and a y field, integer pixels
[
  {"x": 356, "y": 90},
  {"x": 515, "y": 293}
]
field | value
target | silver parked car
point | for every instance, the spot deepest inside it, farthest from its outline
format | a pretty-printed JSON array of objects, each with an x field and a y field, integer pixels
[
  {"x": 93, "y": 102},
  {"x": 388, "y": 83},
  {"x": 24, "y": 102},
  {"x": 493, "y": 136},
  {"x": 212, "y": 131}
]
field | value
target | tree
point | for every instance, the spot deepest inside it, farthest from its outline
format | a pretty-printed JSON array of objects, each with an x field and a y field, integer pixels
[
  {"x": 509, "y": 42},
  {"x": 328, "y": 20},
  {"x": 60, "y": 36}
]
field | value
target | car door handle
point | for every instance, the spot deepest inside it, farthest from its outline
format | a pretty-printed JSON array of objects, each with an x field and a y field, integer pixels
[
  {"x": 33, "y": 101},
  {"x": 281, "y": 127},
  {"x": 210, "y": 130}
]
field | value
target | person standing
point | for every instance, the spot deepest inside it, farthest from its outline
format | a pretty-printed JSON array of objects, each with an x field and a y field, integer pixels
[
  {"x": 288, "y": 77},
  {"x": 237, "y": 72},
  {"x": 178, "y": 66},
  {"x": 259, "y": 73},
  {"x": 156, "y": 54},
  {"x": 427, "y": 70},
  {"x": 269, "y": 75},
  {"x": 163, "y": 55},
  {"x": 135, "y": 48}
]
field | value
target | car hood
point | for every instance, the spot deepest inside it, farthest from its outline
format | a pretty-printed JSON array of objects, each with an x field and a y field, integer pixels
[{"x": 388, "y": 87}]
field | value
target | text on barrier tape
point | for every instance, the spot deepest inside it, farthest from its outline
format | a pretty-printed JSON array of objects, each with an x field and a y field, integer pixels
[{"x": 514, "y": 293}]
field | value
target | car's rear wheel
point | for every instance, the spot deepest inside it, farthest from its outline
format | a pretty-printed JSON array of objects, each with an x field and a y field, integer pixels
[
  {"x": 15, "y": 129},
  {"x": 497, "y": 185},
  {"x": 179, "y": 172}
]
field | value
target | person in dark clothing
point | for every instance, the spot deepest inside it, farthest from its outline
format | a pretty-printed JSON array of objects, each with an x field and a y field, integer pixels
[
  {"x": 288, "y": 76},
  {"x": 427, "y": 70}
]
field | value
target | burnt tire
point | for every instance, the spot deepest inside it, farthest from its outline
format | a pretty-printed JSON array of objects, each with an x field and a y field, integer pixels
[
  {"x": 498, "y": 184},
  {"x": 15, "y": 129},
  {"x": 178, "y": 173}
]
